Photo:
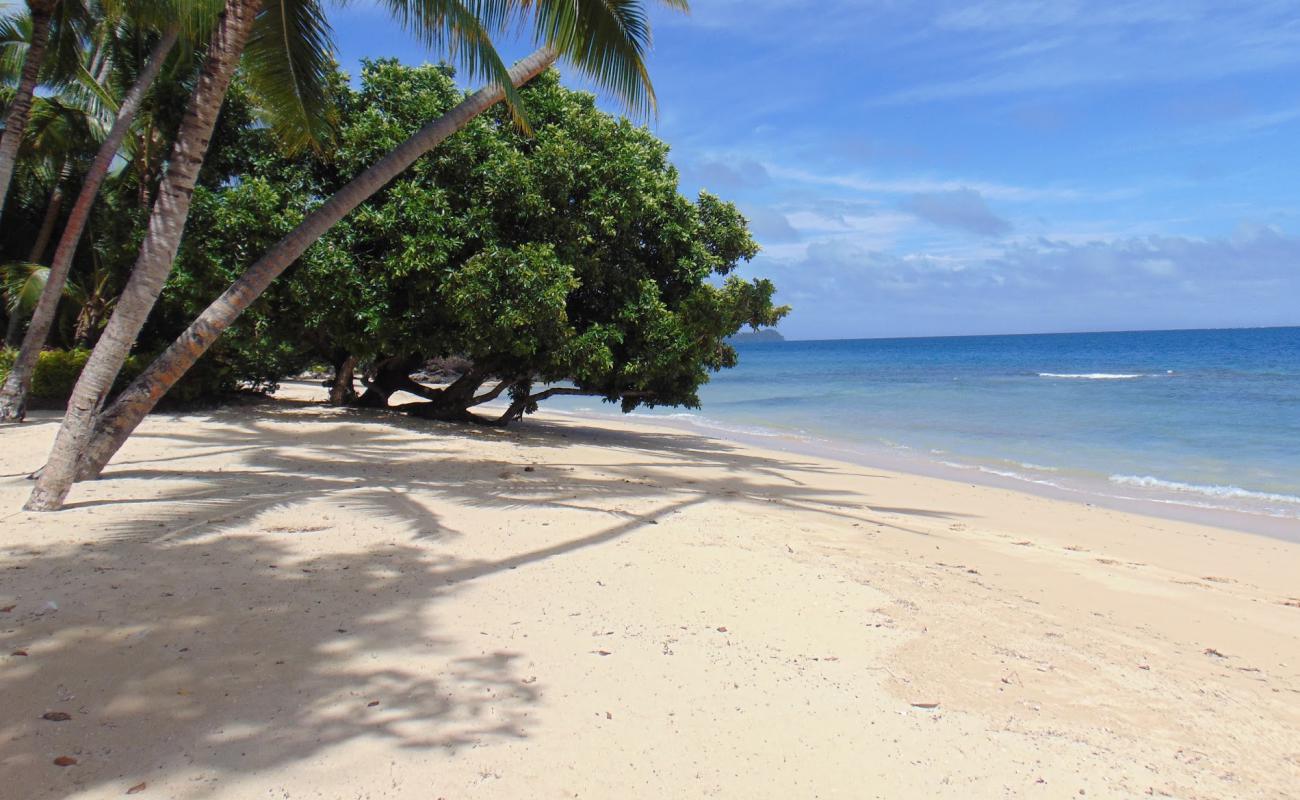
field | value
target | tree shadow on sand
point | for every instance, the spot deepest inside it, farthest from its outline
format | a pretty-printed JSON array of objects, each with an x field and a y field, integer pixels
[{"x": 224, "y": 651}]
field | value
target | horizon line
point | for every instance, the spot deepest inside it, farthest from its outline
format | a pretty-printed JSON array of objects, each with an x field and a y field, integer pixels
[{"x": 1041, "y": 333}]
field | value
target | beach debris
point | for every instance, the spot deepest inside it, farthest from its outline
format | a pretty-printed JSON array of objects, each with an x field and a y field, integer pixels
[
  {"x": 602, "y": 652},
  {"x": 64, "y": 761},
  {"x": 608, "y": 715},
  {"x": 372, "y": 704},
  {"x": 19, "y": 653},
  {"x": 926, "y": 705},
  {"x": 7, "y": 609},
  {"x": 530, "y": 679},
  {"x": 139, "y": 787},
  {"x": 722, "y": 629},
  {"x": 1294, "y": 602},
  {"x": 1210, "y": 651},
  {"x": 56, "y": 716},
  {"x": 1144, "y": 666},
  {"x": 1023, "y": 543},
  {"x": 530, "y": 469}
]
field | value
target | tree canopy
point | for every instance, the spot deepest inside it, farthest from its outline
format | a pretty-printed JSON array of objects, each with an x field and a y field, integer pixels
[{"x": 563, "y": 256}]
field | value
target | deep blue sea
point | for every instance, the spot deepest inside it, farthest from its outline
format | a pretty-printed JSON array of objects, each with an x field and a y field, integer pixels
[{"x": 1205, "y": 419}]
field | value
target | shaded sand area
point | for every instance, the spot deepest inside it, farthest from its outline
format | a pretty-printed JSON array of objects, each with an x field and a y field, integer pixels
[{"x": 290, "y": 601}]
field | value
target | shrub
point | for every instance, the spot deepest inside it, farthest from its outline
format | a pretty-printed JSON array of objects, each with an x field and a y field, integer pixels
[{"x": 57, "y": 372}]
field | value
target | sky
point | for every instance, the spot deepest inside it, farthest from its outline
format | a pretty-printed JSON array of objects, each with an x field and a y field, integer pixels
[{"x": 916, "y": 168}]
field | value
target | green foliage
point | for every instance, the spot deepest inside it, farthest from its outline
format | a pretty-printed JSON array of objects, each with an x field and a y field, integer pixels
[
  {"x": 564, "y": 255},
  {"x": 510, "y": 302},
  {"x": 57, "y": 372}
]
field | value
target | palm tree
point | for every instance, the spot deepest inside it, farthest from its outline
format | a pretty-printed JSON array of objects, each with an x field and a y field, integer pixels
[
  {"x": 604, "y": 38},
  {"x": 60, "y": 129},
  {"x": 162, "y": 238},
  {"x": 56, "y": 24},
  {"x": 41, "y": 13},
  {"x": 13, "y": 397}
]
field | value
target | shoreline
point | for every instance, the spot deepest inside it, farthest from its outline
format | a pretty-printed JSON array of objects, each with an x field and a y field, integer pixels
[
  {"x": 289, "y": 598},
  {"x": 907, "y": 460}
]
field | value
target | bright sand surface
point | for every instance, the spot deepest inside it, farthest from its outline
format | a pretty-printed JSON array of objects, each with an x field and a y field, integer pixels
[{"x": 289, "y": 601}]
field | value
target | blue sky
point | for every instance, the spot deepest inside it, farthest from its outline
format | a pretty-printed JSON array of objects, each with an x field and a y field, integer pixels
[{"x": 942, "y": 168}]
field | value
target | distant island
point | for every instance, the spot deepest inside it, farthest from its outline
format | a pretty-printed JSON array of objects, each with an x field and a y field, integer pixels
[{"x": 765, "y": 335}]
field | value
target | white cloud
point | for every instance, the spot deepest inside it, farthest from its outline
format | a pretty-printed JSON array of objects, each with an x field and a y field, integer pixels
[
  {"x": 840, "y": 288},
  {"x": 962, "y": 209},
  {"x": 924, "y": 185}
]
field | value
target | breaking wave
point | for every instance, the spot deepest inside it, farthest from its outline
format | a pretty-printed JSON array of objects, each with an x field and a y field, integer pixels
[
  {"x": 1218, "y": 492},
  {"x": 1092, "y": 376}
]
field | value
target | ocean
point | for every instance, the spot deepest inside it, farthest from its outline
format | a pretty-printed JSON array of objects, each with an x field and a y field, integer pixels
[{"x": 1201, "y": 424}]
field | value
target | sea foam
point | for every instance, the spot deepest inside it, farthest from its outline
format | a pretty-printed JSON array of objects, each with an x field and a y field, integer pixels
[
  {"x": 1092, "y": 376},
  {"x": 1223, "y": 492}
]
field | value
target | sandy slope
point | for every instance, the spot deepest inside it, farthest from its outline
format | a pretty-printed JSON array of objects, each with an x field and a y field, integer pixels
[{"x": 288, "y": 601}]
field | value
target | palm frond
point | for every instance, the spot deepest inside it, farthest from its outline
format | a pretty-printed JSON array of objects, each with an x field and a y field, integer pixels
[
  {"x": 196, "y": 18},
  {"x": 288, "y": 60},
  {"x": 23, "y": 283},
  {"x": 72, "y": 21},
  {"x": 607, "y": 40},
  {"x": 58, "y": 127},
  {"x": 463, "y": 29},
  {"x": 15, "y": 35}
]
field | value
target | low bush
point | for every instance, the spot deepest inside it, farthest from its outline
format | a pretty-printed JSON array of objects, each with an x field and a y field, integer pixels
[{"x": 57, "y": 372}]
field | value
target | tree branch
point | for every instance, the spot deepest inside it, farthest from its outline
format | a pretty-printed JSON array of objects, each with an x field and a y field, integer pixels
[
  {"x": 488, "y": 397},
  {"x": 564, "y": 390}
]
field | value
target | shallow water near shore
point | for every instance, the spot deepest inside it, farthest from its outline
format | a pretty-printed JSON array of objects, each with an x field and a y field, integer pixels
[{"x": 1201, "y": 424}]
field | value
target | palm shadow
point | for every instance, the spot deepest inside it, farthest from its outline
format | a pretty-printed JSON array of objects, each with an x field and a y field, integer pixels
[{"x": 236, "y": 654}]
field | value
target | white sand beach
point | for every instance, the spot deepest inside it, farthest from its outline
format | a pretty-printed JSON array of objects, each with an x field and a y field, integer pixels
[{"x": 290, "y": 601}]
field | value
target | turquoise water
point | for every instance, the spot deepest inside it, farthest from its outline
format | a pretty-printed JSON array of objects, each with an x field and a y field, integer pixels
[{"x": 1202, "y": 419}]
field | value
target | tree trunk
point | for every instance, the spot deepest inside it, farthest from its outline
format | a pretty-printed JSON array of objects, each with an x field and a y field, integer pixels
[
  {"x": 166, "y": 225},
  {"x": 520, "y": 406},
  {"x": 342, "y": 391},
  {"x": 52, "y": 210},
  {"x": 16, "y": 121},
  {"x": 140, "y": 397},
  {"x": 87, "y": 323},
  {"x": 14, "y": 329},
  {"x": 452, "y": 403},
  {"x": 393, "y": 375},
  {"x": 13, "y": 398}
]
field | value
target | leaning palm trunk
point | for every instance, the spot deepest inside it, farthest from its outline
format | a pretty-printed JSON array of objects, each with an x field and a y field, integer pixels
[
  {"x": 52, "y": 210},
  {"x": 21, "y": 106},
  {"x": 158, "y": 251},
  {"x": 13, "y": 398},
  {"x": 120, "y": 419}
]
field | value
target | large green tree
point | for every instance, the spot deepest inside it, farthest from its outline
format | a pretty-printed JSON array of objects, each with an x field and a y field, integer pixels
[
  {"x": 604, "y": 38},
  {"x": 561, "y": 262}
]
